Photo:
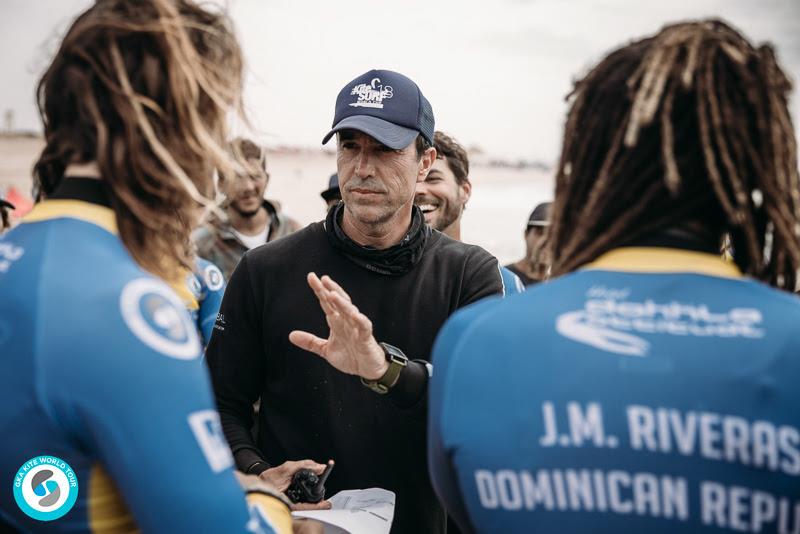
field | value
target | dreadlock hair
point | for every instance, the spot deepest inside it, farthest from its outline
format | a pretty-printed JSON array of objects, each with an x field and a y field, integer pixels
[
  {"x": 689, "y": 125},
  {"x": 143, "y": 88}
]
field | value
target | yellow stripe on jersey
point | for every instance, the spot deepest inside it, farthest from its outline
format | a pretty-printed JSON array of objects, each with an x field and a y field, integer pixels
[
  {"x": 106, "y": 510},
  {"x": 277, "y": 513},
  {"x": 664, "y": 260},
  {"x": 74, "y": 209},
  {"x": 180, "y": 288}
]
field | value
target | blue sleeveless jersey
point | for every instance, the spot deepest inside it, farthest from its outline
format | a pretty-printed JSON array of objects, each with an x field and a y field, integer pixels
[
  {"x": 100, "y": 368},
  {"x": 206, "y": 286},
  {"x": 654, "y": 391}
]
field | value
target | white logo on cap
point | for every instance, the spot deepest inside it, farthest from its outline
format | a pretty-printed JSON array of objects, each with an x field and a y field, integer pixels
[{"x": 372, "y": 95}]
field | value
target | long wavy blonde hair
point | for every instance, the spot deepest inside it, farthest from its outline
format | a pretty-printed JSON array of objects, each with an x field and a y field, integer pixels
[{"x": 143, "y": 88}]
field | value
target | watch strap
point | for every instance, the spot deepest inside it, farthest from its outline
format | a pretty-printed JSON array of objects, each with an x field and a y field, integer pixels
[{"x": 397, "y": 362}]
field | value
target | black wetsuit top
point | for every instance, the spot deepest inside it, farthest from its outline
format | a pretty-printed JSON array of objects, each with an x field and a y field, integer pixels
[{"x": 308, "y": 408}]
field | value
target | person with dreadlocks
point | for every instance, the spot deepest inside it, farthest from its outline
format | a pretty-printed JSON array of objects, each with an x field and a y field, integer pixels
[
  {"x": 113, "y": 425},
  {"x": 652, "y": 386}
]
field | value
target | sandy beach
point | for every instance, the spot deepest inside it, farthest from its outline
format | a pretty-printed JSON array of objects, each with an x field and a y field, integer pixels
[{"x": 502, "y": 196}]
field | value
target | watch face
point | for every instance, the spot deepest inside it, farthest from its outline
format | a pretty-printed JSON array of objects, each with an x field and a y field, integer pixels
[{"x": 392, "y": 352}]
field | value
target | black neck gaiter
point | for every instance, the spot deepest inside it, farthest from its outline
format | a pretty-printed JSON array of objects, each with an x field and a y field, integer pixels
[
  {"x": 393, "y": 261},
  {"x": 91, "y": 190}
]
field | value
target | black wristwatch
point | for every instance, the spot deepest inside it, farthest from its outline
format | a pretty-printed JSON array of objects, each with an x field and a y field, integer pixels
[{"x": 397, "y": 361}]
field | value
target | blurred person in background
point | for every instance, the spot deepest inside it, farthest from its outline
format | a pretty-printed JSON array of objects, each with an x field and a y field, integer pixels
[
  {"x": 201, "y": 291},
  {"x": 533, "y": 267},
  {"x": 98, "y": 352},
  {"x": 444, "y": 194},
  {"x": 251, "y": 220},
  {"x": 651, "y": 386},
  {"x": 332, "y": 195},
  {"x": 5, "y": 215}
]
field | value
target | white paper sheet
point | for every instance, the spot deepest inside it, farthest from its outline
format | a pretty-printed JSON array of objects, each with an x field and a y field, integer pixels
[{"x": 367, "y": 511}]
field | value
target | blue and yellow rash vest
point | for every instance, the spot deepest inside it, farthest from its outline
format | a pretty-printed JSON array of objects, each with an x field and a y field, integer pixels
[
  {"x": 100, "y": 367},
  {"x": 654, "y": 391},
  {"x": 201, "y": 291}
]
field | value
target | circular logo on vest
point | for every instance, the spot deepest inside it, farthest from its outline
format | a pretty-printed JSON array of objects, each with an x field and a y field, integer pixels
[
  {"x": 159, "y": 319},
  {"x": 194, "y": 285},
  {"x": 45, "y": 488},
  {"x": 213, "y": 277}
]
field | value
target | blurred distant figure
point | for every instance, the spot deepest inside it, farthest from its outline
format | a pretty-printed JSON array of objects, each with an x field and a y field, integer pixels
[
  {"x": 251, "y": 219},
  {"x": 201, "y": 290},
  {"x": 332, "y": 195},
  {"x": 22, "y": 202},
  {"x": 533, "y": 267},
  {"x": 5, "y": 214},
  {"x": 444, "y": 194}
]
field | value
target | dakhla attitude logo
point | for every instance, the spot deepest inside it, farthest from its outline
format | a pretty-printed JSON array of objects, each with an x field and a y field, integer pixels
[
  {"x": 371, "y": 95},
  {"x": 613, "y": 322},
  {"x": 45, "y": 488}
]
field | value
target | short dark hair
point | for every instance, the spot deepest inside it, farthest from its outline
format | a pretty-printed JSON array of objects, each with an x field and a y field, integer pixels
[
  {"x": 421, "y": 145},
  {"x": 454, "y": 154},
  {"x": 247, "y": 149}
]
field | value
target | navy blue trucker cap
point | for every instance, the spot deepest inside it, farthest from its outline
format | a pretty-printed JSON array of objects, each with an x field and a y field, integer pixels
[
  {"x": 540, "y": 216},
  {"x": 333, "y": 188},
  {"x": 386, "y": 106}
]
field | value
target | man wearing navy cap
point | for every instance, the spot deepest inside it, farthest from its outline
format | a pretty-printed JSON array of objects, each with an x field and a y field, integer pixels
[
  {"x": 532, "y": 269},
  {"x": 332, "y": 195},
  {"x": 332, "y": 327}
]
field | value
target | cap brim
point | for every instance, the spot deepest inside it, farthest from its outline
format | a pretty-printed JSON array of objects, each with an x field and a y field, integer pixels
[
  {"x": 328, "y": 194},
  {"x": 384, "y": 132}
]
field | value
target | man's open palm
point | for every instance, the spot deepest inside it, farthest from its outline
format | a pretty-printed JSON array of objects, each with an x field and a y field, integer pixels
[{"x": 350, "y": 347}]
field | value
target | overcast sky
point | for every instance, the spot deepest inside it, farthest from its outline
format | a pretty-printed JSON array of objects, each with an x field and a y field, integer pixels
[{"x": 496, "y": 72}]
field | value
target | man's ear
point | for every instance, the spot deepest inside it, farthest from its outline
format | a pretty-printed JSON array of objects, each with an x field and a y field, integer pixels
[
  {"x": 466, "y": 187},
  {"x": 426, "y": 163}
]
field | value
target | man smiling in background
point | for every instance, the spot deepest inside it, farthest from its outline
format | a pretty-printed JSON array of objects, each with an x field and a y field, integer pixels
[{"x": 444, "y": 194}]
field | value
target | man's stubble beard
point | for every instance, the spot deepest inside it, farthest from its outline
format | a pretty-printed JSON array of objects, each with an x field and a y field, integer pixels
[
  {"x": 245, "y": 214},
  {"x": 448, "y": 217}
]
